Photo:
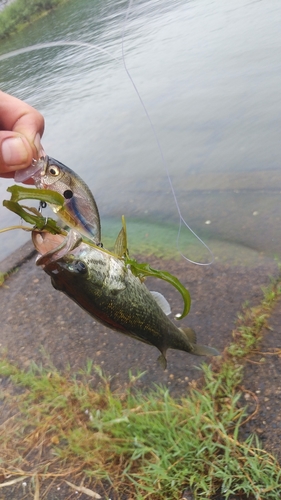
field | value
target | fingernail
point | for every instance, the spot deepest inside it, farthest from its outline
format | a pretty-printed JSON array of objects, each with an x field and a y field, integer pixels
[{"x": 14, "y": 152}]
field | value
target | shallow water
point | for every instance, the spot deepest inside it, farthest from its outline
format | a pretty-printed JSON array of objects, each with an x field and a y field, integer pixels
[{"x": 209, "y": 73}]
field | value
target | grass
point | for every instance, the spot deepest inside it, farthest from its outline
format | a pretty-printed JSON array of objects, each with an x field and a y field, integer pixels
[
  {"x": 20, "y": 13},
  {"x": 147, "y": 446},
  {"x": 5, "y": 276}
]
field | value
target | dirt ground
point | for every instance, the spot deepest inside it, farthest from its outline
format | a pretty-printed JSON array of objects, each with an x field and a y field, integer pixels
[{"x": 42, "y": 325}]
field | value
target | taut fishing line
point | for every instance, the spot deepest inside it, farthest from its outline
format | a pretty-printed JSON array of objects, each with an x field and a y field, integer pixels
[
  {"x": 61, "y": 43},
  {"x": 163, "y": 159}
]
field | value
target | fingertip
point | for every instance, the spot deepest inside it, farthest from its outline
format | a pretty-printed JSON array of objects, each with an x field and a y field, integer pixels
[{"x": 16, "y": 153}]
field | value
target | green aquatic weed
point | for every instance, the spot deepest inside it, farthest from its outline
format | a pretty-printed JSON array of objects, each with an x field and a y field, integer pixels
[
  {"x": 24, "y": 193},
  {"x": 142, "y": 270}
]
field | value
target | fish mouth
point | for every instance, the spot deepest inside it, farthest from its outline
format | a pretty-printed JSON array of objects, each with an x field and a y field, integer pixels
[
  {"x": 34, "y": 171},
  {"x": 52, "y": 247}
]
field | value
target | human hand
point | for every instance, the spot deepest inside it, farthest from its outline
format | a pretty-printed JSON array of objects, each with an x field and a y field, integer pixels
[{"x": 21, "y": 128}]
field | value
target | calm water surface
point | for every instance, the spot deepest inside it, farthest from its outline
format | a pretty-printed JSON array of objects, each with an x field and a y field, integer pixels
[{"x": 209, "y": 73}]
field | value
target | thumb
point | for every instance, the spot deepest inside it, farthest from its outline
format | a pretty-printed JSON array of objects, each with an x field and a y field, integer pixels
[{"x": 16, "y": 152}]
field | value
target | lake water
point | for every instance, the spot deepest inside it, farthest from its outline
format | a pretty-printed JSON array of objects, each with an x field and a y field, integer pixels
[{"x": 209, "y": 73}]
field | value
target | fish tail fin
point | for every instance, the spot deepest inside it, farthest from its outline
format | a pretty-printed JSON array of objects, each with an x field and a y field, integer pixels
[
  {"x": 199, "y": 350},
  {"x": 191, "y": 335},
  {"x": 162, "y": 361},
  {"x": 204, "y": 350}
]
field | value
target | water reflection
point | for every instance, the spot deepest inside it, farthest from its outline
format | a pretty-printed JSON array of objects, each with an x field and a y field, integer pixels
[{"x": 209, "y": 74}]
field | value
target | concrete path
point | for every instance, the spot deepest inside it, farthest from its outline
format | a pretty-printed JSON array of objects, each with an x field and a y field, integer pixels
[{"x": 41, "y": 325}]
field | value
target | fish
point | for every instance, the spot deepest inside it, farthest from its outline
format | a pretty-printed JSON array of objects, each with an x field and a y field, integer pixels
[
  {"x": 80, "y": 210},
  {"x": 104, "y": 286}
]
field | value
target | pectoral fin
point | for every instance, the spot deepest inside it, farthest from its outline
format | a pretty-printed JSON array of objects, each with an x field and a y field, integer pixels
[{"x": 162, "y": 302}]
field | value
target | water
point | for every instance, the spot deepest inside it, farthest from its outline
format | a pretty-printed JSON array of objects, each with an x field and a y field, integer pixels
[{"x": 209, "y": 73}]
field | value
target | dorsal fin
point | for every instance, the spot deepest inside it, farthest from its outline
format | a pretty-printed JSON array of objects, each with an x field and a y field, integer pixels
[
  {"x": 121, "y": 246},
  {"x": 162, "y": 302}
]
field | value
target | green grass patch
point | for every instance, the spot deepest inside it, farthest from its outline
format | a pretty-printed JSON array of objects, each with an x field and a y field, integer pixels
[
  {"x": 5, "y": 276},
  {"x": 20, "y": 13},
  {"x": 147, "y": 445}
]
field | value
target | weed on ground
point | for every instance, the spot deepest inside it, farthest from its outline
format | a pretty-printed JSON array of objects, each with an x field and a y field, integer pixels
[{"x": 134, "y": 444}]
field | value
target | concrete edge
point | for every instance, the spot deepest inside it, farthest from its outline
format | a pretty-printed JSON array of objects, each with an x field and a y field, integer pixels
[{"x": 17, "y": 258}]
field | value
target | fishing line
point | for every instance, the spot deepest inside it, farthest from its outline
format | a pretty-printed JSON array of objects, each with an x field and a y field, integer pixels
[
  {"x": 163, "y": 159},
  {"x": 61, "y": 43}
]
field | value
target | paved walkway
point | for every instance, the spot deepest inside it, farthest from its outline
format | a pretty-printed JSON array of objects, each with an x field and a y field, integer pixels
[{"x": 40, "y": 323}]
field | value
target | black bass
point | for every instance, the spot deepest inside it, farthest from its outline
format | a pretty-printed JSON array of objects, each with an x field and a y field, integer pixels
[
  {"x": 80, "y": 210},
  {"x": 102, "y": 285}
]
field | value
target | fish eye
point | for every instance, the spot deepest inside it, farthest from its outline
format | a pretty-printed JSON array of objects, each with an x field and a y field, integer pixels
[
  {"x": 81, "y": 267},
  {"x": 53, "y": 170}
]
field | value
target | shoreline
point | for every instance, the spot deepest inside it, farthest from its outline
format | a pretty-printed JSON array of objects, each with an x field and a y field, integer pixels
[
  {"x": 16, "y": 15},
  {"x": 5, "y": 3}
]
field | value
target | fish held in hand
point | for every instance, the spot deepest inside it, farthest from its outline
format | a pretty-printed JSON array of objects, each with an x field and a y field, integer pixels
[{"x": 105, "y": 287}]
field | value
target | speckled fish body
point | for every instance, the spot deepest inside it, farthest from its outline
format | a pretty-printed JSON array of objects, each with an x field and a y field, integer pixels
[
  {"x": 102, "y": 285},
  {"x": 80, "y": 210}
]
